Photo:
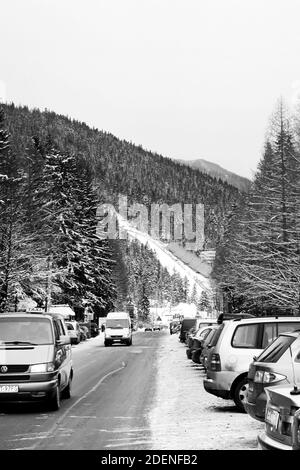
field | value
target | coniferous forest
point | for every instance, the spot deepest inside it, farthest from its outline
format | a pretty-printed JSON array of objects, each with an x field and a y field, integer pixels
[
  {"x": 257, "y": 266},
  {"x": 54, "y": 172}
]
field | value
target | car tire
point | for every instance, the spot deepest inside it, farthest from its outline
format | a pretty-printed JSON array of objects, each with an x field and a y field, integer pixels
[
  {"x": 54, "y": 400},
  {"x": 66, "y": 393},
  {"x": 189, "y": 353},
  {"x": 196, "y": 356},
  {"x": 239, "y": 393},
  {"x": 106, "y": 343},
  {"x": 129, "y": 343}
]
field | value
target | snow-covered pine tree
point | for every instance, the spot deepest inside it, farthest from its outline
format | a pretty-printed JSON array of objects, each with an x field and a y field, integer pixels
[{"x": 13, "y": 267}]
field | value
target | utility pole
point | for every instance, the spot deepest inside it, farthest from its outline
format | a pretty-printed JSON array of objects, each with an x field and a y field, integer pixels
[{"x": 49, "y": 282}]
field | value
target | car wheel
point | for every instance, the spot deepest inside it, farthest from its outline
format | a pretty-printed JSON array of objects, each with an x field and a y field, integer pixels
[
  {"x": 196, "y": 356},
  {"x": 106, "y": 343},
  {"x": 129, "y": 343},
  {"x": 54, "y": 401},
  {"x": 189, "y": 353},
  {"x": 66, "y": 393},
  {"x": 239, "y": 394}
]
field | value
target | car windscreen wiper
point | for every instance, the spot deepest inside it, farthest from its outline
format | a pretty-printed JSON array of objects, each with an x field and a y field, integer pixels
[{"x": 19, "y": 342}]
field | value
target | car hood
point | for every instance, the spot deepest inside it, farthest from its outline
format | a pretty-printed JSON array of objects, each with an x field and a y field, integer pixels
[{"x": 27, "y": 355}]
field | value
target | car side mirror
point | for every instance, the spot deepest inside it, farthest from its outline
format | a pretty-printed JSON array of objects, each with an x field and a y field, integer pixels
[{"x": 63, "y": 339}]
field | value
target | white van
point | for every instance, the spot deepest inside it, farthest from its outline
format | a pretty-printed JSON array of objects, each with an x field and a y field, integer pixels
[{"x": 118, "y": 328}]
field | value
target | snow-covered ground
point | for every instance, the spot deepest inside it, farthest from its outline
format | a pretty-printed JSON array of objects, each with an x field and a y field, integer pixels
[{"x": 185, "y": 416}]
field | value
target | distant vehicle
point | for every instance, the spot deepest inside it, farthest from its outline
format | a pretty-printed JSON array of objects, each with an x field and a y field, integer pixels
[
  {"x": 74, "y": 331},
  {"x": 86, "y": 329},
  {"x": 276, "y": 365},
  {"x": 208, "y": 344},
  {"x": 235, "y": 344},
  {"x": 186, "y": 325},
  {"x": 156, "y": 328},
  {"x": 174, "y": 327},
  {"x": 84, "y": 333},
  {"x": 282, "y": 431},
  {"x": 200, "y": 323},
  {"x": 201, "y": 345},
  {"x": 148, "y": 328},
  {"x": 195, "y": 341},
  {"x": 118, "y": 329},
  {"x": 36, "y": 358}
]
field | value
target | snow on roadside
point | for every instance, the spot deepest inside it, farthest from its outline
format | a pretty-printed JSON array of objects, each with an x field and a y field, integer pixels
[{"x": 185, "y": 416}]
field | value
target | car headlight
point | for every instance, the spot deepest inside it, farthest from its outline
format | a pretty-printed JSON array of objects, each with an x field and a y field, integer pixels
[{"x": 38, "y": 368}]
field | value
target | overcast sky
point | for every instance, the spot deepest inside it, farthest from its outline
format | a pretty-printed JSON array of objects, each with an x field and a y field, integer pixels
[{"x": 185, "y": 78}]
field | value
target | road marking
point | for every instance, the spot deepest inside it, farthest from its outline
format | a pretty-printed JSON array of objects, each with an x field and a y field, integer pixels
[{"x": 63, "y": 416}]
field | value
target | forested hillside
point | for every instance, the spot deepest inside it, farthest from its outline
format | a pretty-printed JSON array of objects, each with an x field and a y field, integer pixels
[
  {"x": 122, "y": 167},
  {"x": 54, "y": 172},
  {"x": 257, "y": 264}
]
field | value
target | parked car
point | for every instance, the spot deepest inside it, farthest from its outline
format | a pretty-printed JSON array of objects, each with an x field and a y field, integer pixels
[
  {"x": 282, "y": 429},
  {"x": 196, "y": 340},
  {"x": 74, "y": 331},
  {"x": 148, "y": 328},
  {"x": 200, "y": 323},
  {"x": 237, "y": 342},
  {"x": 197, "y": 352},
  {"x": 156, "y": 328},
  {"x": 86, "y": 327},
  {"x": 36, "y": 358},
  {"x": 186, "y": 325},
  {"x": 279, "y": 363},
  {"x": 84, "y": 333},
  {"x": 201, "y": 356},
  {"x": 190, "y": 326},
  {"x": 94, "y": 329},
  {"x": 174, "y": 327}
]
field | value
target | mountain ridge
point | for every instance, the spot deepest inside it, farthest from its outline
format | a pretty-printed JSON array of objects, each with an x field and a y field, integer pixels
[{"x": 217, "y": 171}]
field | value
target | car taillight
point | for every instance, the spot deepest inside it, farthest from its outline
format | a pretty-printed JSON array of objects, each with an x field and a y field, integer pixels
[
  {"x": 267, "y": 377},
  {"x": 296, "y": 431},
  {"x": 215, "y": 362}
]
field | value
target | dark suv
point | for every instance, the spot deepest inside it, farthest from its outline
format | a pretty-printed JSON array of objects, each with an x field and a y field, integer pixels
[{"x": 276, "y": 365}]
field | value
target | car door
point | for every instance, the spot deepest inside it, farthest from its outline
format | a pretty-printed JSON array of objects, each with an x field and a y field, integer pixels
[{"x": 61, "y": 352}]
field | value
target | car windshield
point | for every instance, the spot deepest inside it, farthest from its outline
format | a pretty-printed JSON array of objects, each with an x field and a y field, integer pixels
[
  {"x": 25, "y": 331},
  {"x": 274, "y": 352},
  {"x": 117, "y": 323}
]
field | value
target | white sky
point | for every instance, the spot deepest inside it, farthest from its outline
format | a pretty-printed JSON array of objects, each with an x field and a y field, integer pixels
[{"x": 186, "y": 78}]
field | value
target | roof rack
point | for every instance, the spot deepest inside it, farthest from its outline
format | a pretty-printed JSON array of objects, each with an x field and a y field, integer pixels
[{"x": 233, "y": 316}]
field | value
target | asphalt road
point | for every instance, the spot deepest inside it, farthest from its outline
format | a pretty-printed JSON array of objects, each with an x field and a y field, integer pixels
[{"x": 111, "y": 398}]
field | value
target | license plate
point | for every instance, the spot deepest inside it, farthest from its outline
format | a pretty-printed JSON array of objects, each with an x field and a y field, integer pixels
[
  {"x": 272, "y": 417},
  {"x": 9, "y": 389}
]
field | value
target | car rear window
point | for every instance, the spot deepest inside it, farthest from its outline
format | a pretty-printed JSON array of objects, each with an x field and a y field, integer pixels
[
  {"x": 274, "y": 352},
  {"x": 216, "y": 335},
  {"x": 246, "y": 336}
]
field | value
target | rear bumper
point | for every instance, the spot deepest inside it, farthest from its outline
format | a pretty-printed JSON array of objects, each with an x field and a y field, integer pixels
[
  {"x": 257, "y": 409},
  {"x": 267, "y": 443},
  {"x": 118, "y": 340},
  {"x": 212, "y": 387},
  {"x": 29, "y": 391}
]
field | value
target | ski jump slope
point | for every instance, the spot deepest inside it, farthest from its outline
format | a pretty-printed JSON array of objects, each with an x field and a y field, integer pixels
[{"x": 167, "y": 259}]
